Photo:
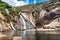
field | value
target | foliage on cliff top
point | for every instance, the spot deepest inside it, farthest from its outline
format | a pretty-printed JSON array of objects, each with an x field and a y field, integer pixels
[
  {"x": 43, "y": 5},
  {"x": 3, "y": 6}
]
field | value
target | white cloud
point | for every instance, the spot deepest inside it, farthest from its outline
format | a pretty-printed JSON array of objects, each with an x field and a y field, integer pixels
[
  {"x": 34, "y": 1},
  {"x": 15, "y": 2},
  {"x": 20, "y": 3}
]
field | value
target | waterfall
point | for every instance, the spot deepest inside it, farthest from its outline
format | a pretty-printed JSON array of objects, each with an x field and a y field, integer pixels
[
  {"x": 7, "y": 11},
  {"x": 10, "y": 21},
  {"x": 23, "y": 23},
  {"x": 12, "y": 26},
  {"x": 26, "y": 18}
]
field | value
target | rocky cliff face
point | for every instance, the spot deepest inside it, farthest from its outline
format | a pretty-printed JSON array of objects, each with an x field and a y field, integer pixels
[
  {"x": 50, "y": 19},
  {"x": 39, "y": 15},
  {"x": 8, "y": 15},
  {"x": 54, "y": 24},
  {"x": 4, "y": 24}
]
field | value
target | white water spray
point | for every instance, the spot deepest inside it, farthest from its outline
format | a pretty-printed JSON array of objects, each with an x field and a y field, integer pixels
[
  {"x": 24, "y": 23},
  {"x": 12, "y": 26}
]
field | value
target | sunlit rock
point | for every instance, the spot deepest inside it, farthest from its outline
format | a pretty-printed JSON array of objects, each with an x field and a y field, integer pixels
[
  {"x": 47, "y": 18},
  {"x": 42, "y": 13},
  {"x": 53, "y": 24},
  {"x": 4, "y": 22},
  {"x": 17, "y": 38},
  {"x": 1, "y": 27},
  {"x": 31, "y": 17},
  {"x": 3, "y": 37},
  {"x": 57, "y": 8}
]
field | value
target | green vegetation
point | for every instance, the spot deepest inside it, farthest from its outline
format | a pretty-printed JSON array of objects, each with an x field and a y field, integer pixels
[
  {"x": 4, "y": 6},
  {"x": 30, "y": 8},
  {"x": 50, "y": 5}
]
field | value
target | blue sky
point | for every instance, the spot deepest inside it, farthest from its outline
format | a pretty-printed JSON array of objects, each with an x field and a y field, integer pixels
[{"x": 22, "y": 2}]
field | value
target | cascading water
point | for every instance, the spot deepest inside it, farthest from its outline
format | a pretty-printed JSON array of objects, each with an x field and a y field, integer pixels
[
  {"x": 10, "y": 21},
  {"x": 7, "y": 11},
  {"x": 12, "y": 25},
  {"x": 25, "y": 23},
  {"x": 26, "y": 18}
]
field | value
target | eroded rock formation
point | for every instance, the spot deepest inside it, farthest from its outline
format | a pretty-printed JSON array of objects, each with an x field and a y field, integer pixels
[
  {"x": 54, "y": 24},
  {"x": 47, "y": 18},
  {"x": 4, "y": 22}
]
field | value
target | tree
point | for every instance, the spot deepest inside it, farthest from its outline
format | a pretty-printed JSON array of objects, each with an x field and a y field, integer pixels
[{"x": 53, "y": 1}]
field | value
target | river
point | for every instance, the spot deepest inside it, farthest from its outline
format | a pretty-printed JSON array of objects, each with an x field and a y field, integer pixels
[{"x": 30, "y": 34}]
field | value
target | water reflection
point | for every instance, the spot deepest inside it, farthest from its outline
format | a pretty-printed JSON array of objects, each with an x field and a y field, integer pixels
[
  {"x": 48, "y": 35},
  {"x": 31, "y": 34},
  {"x": 26, "y": 34}
]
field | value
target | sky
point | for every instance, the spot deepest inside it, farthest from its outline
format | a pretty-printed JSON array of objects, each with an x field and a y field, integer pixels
[{"x": 22, "y": 2}]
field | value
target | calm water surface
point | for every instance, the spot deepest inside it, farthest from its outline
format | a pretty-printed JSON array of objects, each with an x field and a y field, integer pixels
[{"x": 31, "y": 34}]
